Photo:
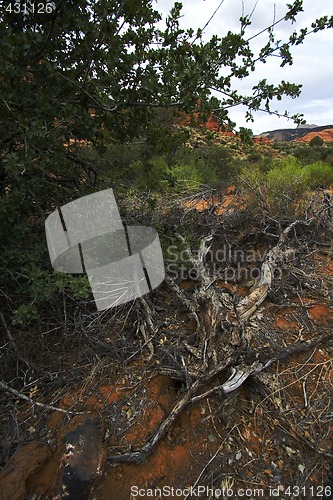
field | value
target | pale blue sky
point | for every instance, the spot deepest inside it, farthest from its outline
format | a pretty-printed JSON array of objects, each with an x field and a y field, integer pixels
[{"x": 312, "y": 66}]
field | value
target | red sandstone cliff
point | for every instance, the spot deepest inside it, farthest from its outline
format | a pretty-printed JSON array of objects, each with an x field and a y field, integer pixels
[{"x": 326, "y": 135}]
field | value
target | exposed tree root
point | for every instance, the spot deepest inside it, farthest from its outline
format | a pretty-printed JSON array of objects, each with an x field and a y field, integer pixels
[{"x": 192, "y": 395}]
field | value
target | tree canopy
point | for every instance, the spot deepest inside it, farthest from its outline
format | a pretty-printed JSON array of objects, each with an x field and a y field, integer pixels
[{"x": 95, "y": 71}]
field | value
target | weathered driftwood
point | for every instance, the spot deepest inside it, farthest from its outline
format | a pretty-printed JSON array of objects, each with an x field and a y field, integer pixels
[{"x": 275, "y": 258}]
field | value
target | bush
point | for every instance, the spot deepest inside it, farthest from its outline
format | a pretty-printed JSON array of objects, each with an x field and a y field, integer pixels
[
  {"x": 212, "y": 166},
  {"x": 319, "y": 174},
  {"x": 316, "y": 141},
  {"x": 187, "y": 176},
  {"x": 254, "y": 156},
  {"x": 149, "y": 175},
  {"x": 281, "y": 191},
  {"x": 278, "y": 191},
  {"x": 221, "y": 164},
  {"x": 286, "y": 183},
  {"x": 306, "y": 154}
]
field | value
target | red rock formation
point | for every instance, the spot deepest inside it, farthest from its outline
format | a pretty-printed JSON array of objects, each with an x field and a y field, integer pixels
[
  {"x": 326, "y": 135},
  {"x": 212, "y": 124},
  {"x": 261, "y": 140}
]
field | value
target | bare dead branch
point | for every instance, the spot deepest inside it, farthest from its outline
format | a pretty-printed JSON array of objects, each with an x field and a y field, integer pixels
[{"x": 36, "y": 403}]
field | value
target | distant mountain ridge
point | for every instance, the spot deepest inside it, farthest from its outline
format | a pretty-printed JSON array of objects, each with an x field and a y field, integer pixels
[
  {"x": 308, "y": 125},
  {"x": 302, "y": 133}
]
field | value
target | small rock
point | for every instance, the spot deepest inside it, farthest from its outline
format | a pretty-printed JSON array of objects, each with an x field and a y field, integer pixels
[
  {"x": 82, "y": 463},
  {"x": 290, "y": 451},
  {"x": 26, "y": 461}
]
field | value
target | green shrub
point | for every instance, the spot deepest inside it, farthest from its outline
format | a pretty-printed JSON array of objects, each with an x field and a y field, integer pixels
[
  {"x": 316, "y": 141},
  {"x": 281, "y": 190},
  {"x": 213, "y": 165},
  {"x": 329, "y": 158},
  {"x": 286, "y": 183},
  {"x": 187, "y": 176},
  {"x": 221, "y": 163},
  {"x": 308, "y": 155},
  {"x": 319, "y": 174},
  {"x": 254, "y": 156},
  {"x": 148, "y": 175},
  {"x": 278, "y": 191}
]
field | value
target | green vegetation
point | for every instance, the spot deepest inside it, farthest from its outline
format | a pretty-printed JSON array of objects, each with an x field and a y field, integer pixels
[
  {"x": 88, "y": 93},
  {"x": 316, "y": 141},
  {"x": 280, "y": 188},
  {"x": 319, "y": 174},
  {"x": 306, "y": 154},
  {"x": 274, "y": 180}
]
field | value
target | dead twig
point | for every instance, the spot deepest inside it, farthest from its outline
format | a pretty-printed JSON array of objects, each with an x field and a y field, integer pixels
[
  {"x": 12, "y": 341},
  {"x": 36, "y": 403}
]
